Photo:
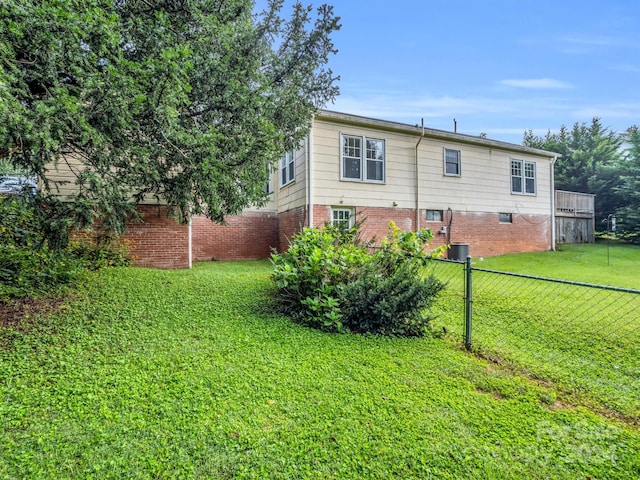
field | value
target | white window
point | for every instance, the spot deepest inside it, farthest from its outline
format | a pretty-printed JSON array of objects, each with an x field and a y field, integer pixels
[
  {"x": 434, "y": 215},
  {"x": 342, "y": 217},
  {"x": 287, "y": 169},
  {"x": 362, "y": 159},
  {"x": 452, "y": 162},
  {"x": 523, "y": 177}
]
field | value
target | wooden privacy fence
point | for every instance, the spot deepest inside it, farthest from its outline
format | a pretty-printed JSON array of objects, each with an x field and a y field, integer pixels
[{"x": 575, "y": 217}]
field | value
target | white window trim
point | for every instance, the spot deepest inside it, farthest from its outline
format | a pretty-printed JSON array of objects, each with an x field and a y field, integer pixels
[
  {"x": 288, "y": 165},
  {"x": 444, "y": 162},
  {"x": 363, "y": 159},
  {"x": 349, "y": 210},
  {"x": 523, "y": 177}
]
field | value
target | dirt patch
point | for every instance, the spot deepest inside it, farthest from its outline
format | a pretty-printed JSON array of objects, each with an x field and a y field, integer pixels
[{"x": 20, "y": 314}]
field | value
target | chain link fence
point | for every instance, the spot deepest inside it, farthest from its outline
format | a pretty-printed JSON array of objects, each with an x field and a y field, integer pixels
[{"x": 582, "y": 339}]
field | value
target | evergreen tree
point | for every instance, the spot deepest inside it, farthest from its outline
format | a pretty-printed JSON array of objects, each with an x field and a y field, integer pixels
[{"x": 185, "y": 101}]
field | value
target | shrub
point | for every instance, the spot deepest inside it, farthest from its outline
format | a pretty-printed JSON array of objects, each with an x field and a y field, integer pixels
[
  {"x": 328, "y": 280},
  {"x": 101, "y": 252},
  {"x": 36, "y": 258},
  {"x": 308, "y": 273}
]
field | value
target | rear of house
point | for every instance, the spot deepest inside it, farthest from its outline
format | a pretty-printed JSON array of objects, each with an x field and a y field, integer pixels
[{"x": 494, "y": 196}]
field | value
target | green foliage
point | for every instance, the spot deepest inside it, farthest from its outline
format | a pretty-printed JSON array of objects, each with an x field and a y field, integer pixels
[
  {"x": 390, "y": 304},
  {"x": 583, "y": 149},
  {"x": 100, "y": 253},
  {"x": 307, "y": 274},
  {"x": 328, "y": 280},
  {"x": 189, "y": 102},
  {"x": 36, "y": 257},
  {"x": 192, "y": 374},
  {"x": 629, "y": 187},
  {"x": 29, "y": 267},
  {"x": 599, "y": 161}
]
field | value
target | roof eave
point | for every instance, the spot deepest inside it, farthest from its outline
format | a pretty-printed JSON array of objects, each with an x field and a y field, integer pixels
[{"x": 391, "y": 126}]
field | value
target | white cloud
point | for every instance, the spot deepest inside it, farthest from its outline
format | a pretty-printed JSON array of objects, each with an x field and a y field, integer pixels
[{"x": 538, "y": 83}]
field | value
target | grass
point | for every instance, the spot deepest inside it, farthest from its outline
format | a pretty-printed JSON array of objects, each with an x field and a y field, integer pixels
[
  {"x": 191, "y": 374},
  {"x": 602, "y": 263},
  {"x": 583, "y": 340}
]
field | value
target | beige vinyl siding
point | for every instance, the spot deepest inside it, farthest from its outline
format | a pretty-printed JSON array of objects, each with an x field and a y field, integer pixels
[
  {"x": 485, "y": 183},
  {"x": 63, "y": 183},
  {"x": 483, "y": 186},
  {"x": 329, "y": 189},
  {"x": 292, "y": 195},
  {"x": 62, "y": 176}
]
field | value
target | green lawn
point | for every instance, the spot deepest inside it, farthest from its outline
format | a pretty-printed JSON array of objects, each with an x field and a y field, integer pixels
[
  {"x": 583, "y": 340},
  {"x": 602, "y": 263},
  {"x": 191, "y": 374}
]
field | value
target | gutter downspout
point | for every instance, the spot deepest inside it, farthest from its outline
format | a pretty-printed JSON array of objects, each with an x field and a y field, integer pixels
[
  {"x": 553, "y": 205},
  {"x": 417, "y": 223},
  {"x": 190, "y": 242},
  {"x": 310, "y": 175}
]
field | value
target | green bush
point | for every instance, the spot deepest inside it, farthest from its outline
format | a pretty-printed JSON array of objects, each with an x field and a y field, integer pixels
[
  {"x": 328, "y": 280},
  {"x": 101, "y": 252},
  {"x": 308, "y": 273},
  {"x": 36, "y": 257},
  {"x": 28, "y": 266}
]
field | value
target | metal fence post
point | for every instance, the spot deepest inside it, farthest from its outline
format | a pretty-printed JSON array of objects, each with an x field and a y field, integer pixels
[{"x": 468, "y": 300}]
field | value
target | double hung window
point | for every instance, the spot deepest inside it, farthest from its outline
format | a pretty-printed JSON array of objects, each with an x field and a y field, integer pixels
[
  {"x": 523, "y": 177},
  {"x": 362, "y": 159},
  {"x": 452, "y": 162},
  {"x": 287, "y": 169},
  {"x": 342, "y": 217}
]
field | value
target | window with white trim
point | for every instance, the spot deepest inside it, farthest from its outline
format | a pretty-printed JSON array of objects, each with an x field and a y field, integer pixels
[
  {"x": 452, "y": 162},
  {"x": 523, "y": 177},
  {"x": 362, "y": 158},
  {"x": 342, "y": 217},
  {"x": 287, "y": 169}
]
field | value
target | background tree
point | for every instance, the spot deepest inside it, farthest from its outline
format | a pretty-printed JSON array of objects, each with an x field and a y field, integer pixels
[
  {"x": 629, "y": 187},
  {"x": 186, "y": 101},
  {"x": 589, "y": 162}
]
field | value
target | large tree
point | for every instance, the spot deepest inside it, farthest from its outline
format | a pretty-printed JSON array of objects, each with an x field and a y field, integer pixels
[
  {"x": 629, "y": 188},
  {"x": 187, "y": 101},
  {"x": 588, "y": 163}
]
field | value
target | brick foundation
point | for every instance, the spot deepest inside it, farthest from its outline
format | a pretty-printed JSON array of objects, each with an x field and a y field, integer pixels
[
  {"x": 162, "y": 243},
  {"x": 159, "y": 241},
  {"x": 245, "y": 237},
  {"x": 483, "y": 232},
  {"x": 290, "y": 223}
]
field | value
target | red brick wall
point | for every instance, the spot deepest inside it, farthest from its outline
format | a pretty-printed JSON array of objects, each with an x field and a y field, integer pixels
[
  {"x": 487, "y": 237},
  {"x": 159, "y": 241},
  {"x": 248, "y": 236},
  {"x": 483, "y": 232},
  {"x": 290, "y": 223},
  {"x": 162, "y": 243}
]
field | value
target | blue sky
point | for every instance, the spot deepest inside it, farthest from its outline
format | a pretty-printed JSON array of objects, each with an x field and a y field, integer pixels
[{"x": 497, "y": 66}]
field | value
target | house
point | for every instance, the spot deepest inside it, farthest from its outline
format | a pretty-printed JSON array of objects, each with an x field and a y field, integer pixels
[{"x": 497, "y": 197}]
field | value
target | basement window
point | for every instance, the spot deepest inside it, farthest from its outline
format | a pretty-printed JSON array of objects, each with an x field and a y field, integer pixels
[
  {"x": 342, "y": 217},
  {"x": 434, "y": 215},
  {"x": 506, "y": 218}
]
